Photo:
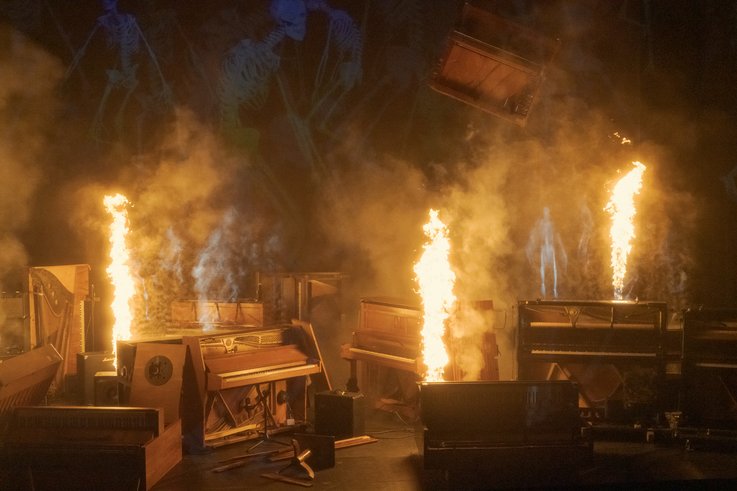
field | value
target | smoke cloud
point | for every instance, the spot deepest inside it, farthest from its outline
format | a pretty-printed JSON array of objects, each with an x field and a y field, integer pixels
[{"x": 27, "y": 110}]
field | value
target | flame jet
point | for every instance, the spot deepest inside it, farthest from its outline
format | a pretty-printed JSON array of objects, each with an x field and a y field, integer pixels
[
  {"x": 436, "y": 280},
  {"x": 622, "y": 209},
  {"x": 119, "y": 271}
]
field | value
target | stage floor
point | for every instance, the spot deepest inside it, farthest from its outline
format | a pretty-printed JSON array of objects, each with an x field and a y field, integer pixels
[{"x": 394, "y": 462}]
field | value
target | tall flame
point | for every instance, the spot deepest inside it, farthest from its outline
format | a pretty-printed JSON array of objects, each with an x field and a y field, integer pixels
[
  {"x": 118, "y": 271},
  {"x": 436, "y": 280},
  {"x": 622, "y": 209}
]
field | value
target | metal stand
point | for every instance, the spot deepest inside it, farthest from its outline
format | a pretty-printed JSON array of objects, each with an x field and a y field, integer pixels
[{"x": 267, "y": 416}]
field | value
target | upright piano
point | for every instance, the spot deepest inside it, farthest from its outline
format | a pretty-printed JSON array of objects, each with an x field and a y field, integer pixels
[
  {"x": 614, "y": 350},
  {"x": 247, "y": 383},
  {"x": 385, "y": 353},
  {"x": 709, "y": 368},
  {"x": 387, "y": 345}
]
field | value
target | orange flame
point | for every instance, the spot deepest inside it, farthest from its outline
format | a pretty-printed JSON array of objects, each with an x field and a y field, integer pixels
[
  {"x": 436, "y": 280},
  {"x": 622, "y": 209},
  {"x": 118, "y": 271}
]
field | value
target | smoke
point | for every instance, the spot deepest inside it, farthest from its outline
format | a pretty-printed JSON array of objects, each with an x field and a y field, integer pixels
[
  {"x": 483, "y": 258},
  {"x": 27, "y": 79},
  {"x": 193, "y": 233},
  {"x": 491, "y": 198},
  {"x": 373, "y": 216},
  {"x": 233, "y": 253},
  {"x": 196, "y": 229}
]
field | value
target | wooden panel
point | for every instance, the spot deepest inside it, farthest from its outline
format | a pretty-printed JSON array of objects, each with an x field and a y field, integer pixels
[
  {"x": 163, "y": 453},
  {"x": 150, "y": 386},
  {"x": 235, "y": 313}
]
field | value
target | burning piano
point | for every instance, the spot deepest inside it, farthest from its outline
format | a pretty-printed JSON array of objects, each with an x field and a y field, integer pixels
[
  {"x": 397, "y": 342},
  {"x": 385, "y": 353}
]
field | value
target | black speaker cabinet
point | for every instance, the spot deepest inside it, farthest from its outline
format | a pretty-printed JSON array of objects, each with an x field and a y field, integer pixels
[
  {"x": 340, "y": 413},
  {"x": 106, "y": 388},
  {"x": 88, "y": 364}
]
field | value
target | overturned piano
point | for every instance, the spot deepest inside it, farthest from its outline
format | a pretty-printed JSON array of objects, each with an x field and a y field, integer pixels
[{"x": 238, "y": 384}]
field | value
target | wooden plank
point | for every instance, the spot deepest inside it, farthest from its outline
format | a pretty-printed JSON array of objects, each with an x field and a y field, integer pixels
[
  {"x": 291, "y": 480},
  {"x": 144, "y": 389},
  {"x": 163, "y": 453}
]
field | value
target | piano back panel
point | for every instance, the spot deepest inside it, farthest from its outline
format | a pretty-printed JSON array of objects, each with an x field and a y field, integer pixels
[
  {"x": 501, "y": 412},
  {"x": 243, "y": 313},
  {"x": 614, "y": 351},
  {"x": 493, "y": 64},
  {"x": 709, "y": 368}
]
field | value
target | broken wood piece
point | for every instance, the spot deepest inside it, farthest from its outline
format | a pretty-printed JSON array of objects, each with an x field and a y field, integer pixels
[
  {"x": 356, "y": 440},
  {"x": 239, "y": 460},
  {"x": 291, "y": 480},
  {"x": 345, "y": 443}
]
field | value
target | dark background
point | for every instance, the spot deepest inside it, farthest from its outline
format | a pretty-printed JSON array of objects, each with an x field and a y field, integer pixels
[{"x": 316, "y": 181}]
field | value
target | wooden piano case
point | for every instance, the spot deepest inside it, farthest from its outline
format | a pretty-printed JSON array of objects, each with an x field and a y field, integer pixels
[
  {"x": 25, "y": 379},
  {"x": 614, "y": 351},
  {"x": 248, "y": 383},
  {"x": 84, "y": 447},
  {"x": 385, "y": 353}
]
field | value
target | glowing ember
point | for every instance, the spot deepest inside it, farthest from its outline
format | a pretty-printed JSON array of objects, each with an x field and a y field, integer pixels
[
  {"x": 118, "y": 270},
  {"x": 621, "y": 207},
  {"x": 435, "y": 279}
]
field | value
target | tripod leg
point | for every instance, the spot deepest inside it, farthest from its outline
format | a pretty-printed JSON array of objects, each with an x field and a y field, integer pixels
[{"x": 267, "y": 416}]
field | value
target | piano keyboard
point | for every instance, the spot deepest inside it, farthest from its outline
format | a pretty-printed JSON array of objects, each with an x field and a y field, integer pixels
[
  {"x": 393, "y": 361},
  {"x": 222, "y": 381}
]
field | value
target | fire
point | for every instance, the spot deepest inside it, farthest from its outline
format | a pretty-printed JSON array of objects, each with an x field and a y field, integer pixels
[
  {"x": 118, "y": 271},
  {"x": 436, "y": 280},
  {"x": 622, "y": 209}
]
